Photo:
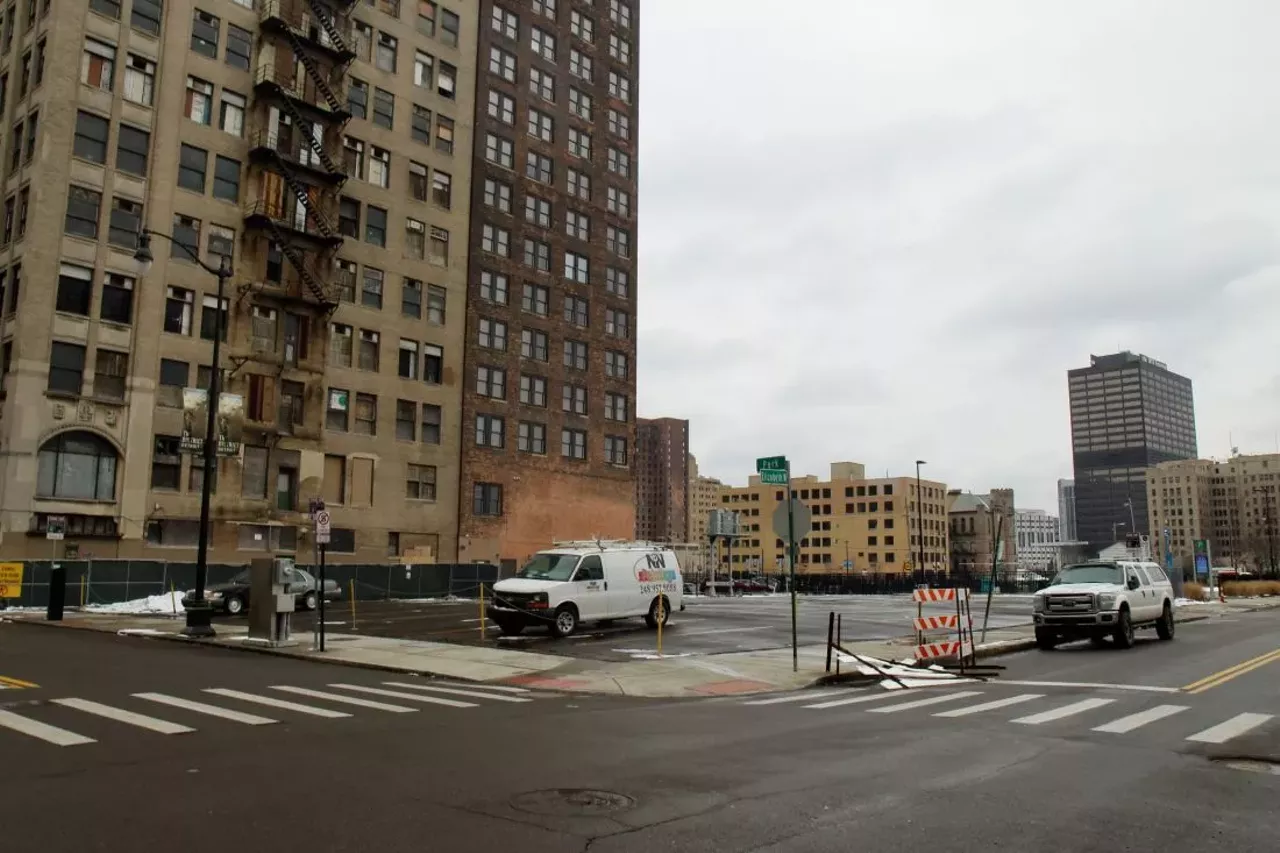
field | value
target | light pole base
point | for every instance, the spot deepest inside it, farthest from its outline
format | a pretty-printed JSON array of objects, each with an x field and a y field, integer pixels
[{"x": 199, "y": 621}]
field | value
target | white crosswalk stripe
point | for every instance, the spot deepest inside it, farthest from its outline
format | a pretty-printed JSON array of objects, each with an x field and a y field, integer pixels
[
  {"x": 1140, "y": 719},
  {"x": 1232, "y": 728},
  {"x": 120, "y": 715},
  {"x": 856, "y": 700},
  {"x": 500, "y": 688},
  {"x": 400, "y": 694},
  {"x": 43, "y": 731},
  {"x": 796, "y": 697},
  {"x": 272, "y": 702},
  {"x": 344, "y": 700},
  {"x": 1063, "y": 712},
  {"x": 924, "y": 703},
  {"x": 990, "y": 706},
  {"x": 495, "y": 697},
  {"x": 210, "y": 710}
]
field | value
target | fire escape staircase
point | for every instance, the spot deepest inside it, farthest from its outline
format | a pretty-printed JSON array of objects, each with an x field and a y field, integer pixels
[
  {"x": 313, "y": 70},
  {"x": 304, "y": 127},
  {"x": 311, "y": 277},
  {"x": 299, "y": 190},
  {"x": 326, "y": 22}
]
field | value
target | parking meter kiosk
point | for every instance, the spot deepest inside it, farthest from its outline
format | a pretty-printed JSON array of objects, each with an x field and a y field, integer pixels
[{"x": 271, "y": 603}]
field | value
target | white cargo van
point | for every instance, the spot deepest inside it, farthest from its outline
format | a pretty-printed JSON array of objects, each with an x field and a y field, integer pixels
[{"x": 595, "y": 581}]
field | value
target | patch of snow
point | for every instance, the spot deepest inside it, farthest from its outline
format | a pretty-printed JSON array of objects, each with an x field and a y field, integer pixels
[
  {"x": 140, "y": 632},
  {"x": 1188, "y": 602},
  {"x": 168, "y": 604}
]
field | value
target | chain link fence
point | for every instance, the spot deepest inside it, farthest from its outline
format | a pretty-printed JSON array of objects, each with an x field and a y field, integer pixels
[
  {"x": 870, "y": 583},
  {"x": 91, "y": 582}
]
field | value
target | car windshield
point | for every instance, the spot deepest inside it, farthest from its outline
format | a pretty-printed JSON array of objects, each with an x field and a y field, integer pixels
[
  {"x": 549, "y": 567},
  {"x": 242, "y": 577},
  {"x": 1090, "y": 573}
]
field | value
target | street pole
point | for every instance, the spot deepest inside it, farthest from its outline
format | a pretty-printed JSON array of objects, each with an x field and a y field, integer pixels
[
  {"x": 919, "y": 521},
  {"x": 323, "y": 549},
  {"x": 199, "y": 613},
  {"x": 792, "y": 547}
]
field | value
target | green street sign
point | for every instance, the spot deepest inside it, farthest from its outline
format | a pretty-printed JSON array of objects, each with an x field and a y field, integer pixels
[
  {"x": 1201, "y": 546},
  {"x": 771, "y": 463},
  {"x": 770, "y": 477}
]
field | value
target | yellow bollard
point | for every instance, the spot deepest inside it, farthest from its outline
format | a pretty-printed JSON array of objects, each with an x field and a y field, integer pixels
[
  {"x": 483, "y": 626},
  {"x": 352, "y": 593},
  {"x": 662, "y": 612}
]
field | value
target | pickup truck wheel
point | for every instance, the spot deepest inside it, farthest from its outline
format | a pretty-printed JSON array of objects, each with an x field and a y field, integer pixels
[
  {"x": 1124, "y": 631},
  {"x": 1046, "y": 640},
  {"x": 1164, "y": 628},
  {"x": 309, "y": 601}
]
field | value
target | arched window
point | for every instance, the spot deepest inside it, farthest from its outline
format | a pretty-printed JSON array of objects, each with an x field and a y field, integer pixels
[{"x": 78, "y": 465}]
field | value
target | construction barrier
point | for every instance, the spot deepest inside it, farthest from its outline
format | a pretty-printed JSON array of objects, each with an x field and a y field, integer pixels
[{"x": 961, "y": 622}]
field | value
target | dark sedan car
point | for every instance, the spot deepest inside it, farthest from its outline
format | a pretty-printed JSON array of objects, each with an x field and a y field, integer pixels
[{"x": 233, "y": 597}]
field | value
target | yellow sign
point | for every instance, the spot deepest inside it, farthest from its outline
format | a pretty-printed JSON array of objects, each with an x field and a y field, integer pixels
[{"x": 10, "y": 580}]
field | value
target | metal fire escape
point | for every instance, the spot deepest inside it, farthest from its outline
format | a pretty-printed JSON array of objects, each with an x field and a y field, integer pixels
[{"x": 299, "y": 112}]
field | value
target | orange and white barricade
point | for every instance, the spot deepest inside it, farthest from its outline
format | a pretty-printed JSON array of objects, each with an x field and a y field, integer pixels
[{"x": 960, "y": 622}]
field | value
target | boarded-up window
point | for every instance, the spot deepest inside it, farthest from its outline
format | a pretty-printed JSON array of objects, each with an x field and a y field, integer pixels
[
  {"x": 362, "y": 482},
  {"x": 262, "y": 398},
  {"x": 335, "y": 479},
  {"x": 253, "y": 483}
]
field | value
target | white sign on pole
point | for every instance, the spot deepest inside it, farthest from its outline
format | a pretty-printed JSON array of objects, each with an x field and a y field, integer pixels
[{"x": 322, "y": 527}]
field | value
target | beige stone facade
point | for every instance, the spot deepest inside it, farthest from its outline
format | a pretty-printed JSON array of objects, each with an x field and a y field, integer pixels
[
  {"x": 1231, "y": 503},
  {"x": 869, "y": 522},
  {"x": 704, "y": 496},
  {"x": 326, "y": 150},
  {"x": 975, "y": 522}
]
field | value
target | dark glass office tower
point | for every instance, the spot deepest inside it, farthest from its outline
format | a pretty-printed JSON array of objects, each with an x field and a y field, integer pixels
[{"x": 1128, "y": 412}]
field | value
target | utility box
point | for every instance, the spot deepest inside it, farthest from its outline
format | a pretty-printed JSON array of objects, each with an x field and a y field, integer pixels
[{"x": 271, "y": 603}]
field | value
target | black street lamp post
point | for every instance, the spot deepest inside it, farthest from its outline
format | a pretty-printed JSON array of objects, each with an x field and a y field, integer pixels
[
  {"x": 199, "y": 613},
  {"x": 919, "y": 521}
]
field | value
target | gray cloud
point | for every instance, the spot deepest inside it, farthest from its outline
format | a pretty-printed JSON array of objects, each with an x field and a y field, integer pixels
[{"x": 889, "y": 236}]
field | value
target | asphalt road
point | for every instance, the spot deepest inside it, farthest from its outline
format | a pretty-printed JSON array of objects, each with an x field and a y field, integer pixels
[
  {"x": 727, "y": 775},
  {"x": 707, "y": 626}
]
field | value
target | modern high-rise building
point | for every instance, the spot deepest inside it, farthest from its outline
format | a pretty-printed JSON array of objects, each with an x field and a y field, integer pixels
[
  {"x": 549, "y": 371},
  {"x": 1128, "y": 412},
  {"x": 320, "y": 148},
  {"x": 662, "y": 479},
  {"x": 703, "y": 497},
  {"x": 1067, "y": 510},
  {"x": 1038, "y": 535}
]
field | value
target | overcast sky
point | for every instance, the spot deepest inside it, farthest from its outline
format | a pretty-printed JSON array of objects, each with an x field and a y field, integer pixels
[{"x": 883, "y": 230}]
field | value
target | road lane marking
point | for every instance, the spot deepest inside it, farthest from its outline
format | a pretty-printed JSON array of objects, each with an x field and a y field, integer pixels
[
  {"x": 990, "y": 706},
  {"x": 922, "y": 703},
  {"x": 1232, "y": 672},
  {"x": 1127, "y": 724},
  {"x": 798, "y": 697},
  {"x": 273, "y": 702},
  {"x": 344, "y": 700},
  {"x": 496, "y": 697},
  {"x": 399, "y": 694},
  {"x": 502, "y": 688},
  {"x": 5, "y": 681},
  {"x": 42, "y": 731},
  {"x": 210, "y": 710},
  {"x": 1233, "y": 727},
  {"x": 1089, "y": 685},
  {"x": 120, "y": 715},
  {"x": 727, "y": 631},
  {"x": 856, "y": 700},
  {"x": 1065, "y": 711}
]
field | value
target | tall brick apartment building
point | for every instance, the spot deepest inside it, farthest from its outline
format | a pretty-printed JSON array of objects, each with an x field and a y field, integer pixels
[
  {"x": 662, "y": 479},
  {"x": 549, "y": 364}
]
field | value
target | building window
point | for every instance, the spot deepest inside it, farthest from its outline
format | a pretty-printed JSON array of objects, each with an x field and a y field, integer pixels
[
  {"x": 576, "y": 268},
  {"x": 117, "y": 298},
  {"x": 502, "y": 63},
  {"x": 226, "y": 179},
  {"x": 573, "y": 443},
  {"x": 618, "y": 241},
  {"x": 384, "y": 108},
  {"x": 178, "y": 310},
  {"x": 411, "y": 298},
  {"x": 619, "y": 163},
  {"x": 539, "y": 168},
  {"x": 617, "y": 282},
  {"x": 543, "y": 43},
  {"x": 495, "y": 240},
  {"x": 370, "y": 350},
  {"x": 417, "y": 181},
  {"x": 174, "y": 376},
  {"x": 384, "y": 54},
  {"x": 537, "y": 211},
  {"x": 438, "y": 247},
  {"x": 615, "y": 407},
  {"x": 615, "y": 365},
  {"x": 432, "y": 364},
  {"x": 337, "y": 412},
  {"x": 420, "y": 126},
  {"x": 582, "y": 26},
  {"x": 615, "y": 450},
  {"x": 432, "y": 417},
  {"x": 619, "y": 124},
  {"x": 437, "y": 302},
  {"x": 541, "y": 126},
  {"x": 618, "y": 201},
  {"x": 98, "y": 64},
  {"x": 537, "y": 254},
  {"x": 579, "y": 185},
  {"x": 420, "y": 483},
  {"x": 366, "y": 414},
  {"x": 575, "y": 355},
  {"x": 185, "y": 245},
  {"x": 499, "y": 151},
  {"x": 199, "y": 101},
  {"x": 380, "y": 167},
  {"x": 166, "y": 463},
  {"x": 491, "y": 382},
  {"x": 139, "y": 80},
  {"x": 542, "y": 85},
  {"x": 617, "y": 323},
  {"x": 505, "y": 23},
  {"x": 204, "y": 34},
  {"x": 371, "y": 288},
  {"x": 193, "y": 163},
  {"x": 231, "y": 113},
  {"x": 75, "y": 285},
  {"x": 533, "y": 391},
  {"x": 492, "y": 334},
  {"x": 110, "y": 374},
  {"x": 573, "y": 399},
  {"x": 131, "y": 150},
  {"x": 502, "y": 107},
  {"x": 77, "y": 466},
  {"x": 576, "y": 311},
  {"x": 211, "y": 319},
  {"x": 620, "y": 49},
  {"x": 84, "y": 206},
  {"x": 620, "y": 13},
  {"x": 579, "y": 144},
  {"x": 407, "y": 366},
  {"x": 486, "y": 499},
  {"x": 619, "y": 87},
  {"x": 423, "y": 69},
  {"x": 580, "y": 65},
  {"x": 580, "y": 104},
  {"x": 490, "y": 431},
  {"x": 533, "y": 344},
  {"x": 66, "y": 368},
  {"x": 358, "y": 98},
  {"x": 447, "y": 81},
  {"x": 340, "y": 346},
  {"x": 375, "y": 226},
  {"x": 239, "y": 47},
  {"x": 406, "y": 420},
  {"x": 442, "y": 190},
  {"x": 531, "y": 437},
  {"x": 415, "y": 239},
  {"x": 109, "y": 8}
]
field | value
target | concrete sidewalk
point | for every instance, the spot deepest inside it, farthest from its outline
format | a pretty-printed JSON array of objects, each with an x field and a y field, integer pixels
[{"x": 666, "y": 676}]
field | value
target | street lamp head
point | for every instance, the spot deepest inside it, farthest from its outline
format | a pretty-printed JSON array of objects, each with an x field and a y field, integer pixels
[
  {"x": 921, "y": 462},
  {"x": 143, "y": 253}
]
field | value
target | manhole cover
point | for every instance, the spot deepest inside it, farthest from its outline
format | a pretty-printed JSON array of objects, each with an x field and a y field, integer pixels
[
  {"x": 1251, "y": 765},
  {"x": 571, "y": 802}
]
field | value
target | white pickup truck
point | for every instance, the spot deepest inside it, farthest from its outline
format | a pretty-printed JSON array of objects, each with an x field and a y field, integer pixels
[{"x": 1104, "y": 599}]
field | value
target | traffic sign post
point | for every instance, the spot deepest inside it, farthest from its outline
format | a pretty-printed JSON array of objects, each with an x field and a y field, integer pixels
[
  {"x": 776, "y": 470},
  {"x": 322, "y": 521}
]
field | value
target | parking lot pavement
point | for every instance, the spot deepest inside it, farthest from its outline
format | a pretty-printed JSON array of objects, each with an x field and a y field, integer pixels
[{"x": 707, "y": 626}]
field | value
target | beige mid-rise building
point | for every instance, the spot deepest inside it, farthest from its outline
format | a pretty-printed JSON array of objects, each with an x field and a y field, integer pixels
[
  {"x": 704, "y": 496},
  {"x": 1232, "y": 504},
  {"x": 324, "y": 149},
  {"x": 870, "y": 524}
]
